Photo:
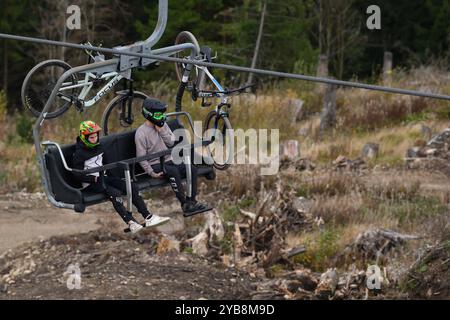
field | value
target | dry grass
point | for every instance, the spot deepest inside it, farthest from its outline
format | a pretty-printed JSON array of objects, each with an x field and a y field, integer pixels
[
  {"x": 271, "y": 111},
  {"x": 329, "y": 184},
  {"x": 362, "y": 109},
  {"x": 393, "y": 121},
  {"x": 19, "y": 168},
  {"x": 339, "y": 210},
  {"x": 351, "y": 204},
  {"x": 375, "y": 110},
  {"x": 394, "y": 141},
  {"x": 345, "y": 199}
]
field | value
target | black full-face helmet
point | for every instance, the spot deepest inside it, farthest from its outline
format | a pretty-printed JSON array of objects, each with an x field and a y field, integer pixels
[{"x": 153, "y": 110}]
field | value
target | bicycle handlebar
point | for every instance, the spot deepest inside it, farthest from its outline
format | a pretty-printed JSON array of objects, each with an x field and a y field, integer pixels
[{"x": 208, "y": 93}]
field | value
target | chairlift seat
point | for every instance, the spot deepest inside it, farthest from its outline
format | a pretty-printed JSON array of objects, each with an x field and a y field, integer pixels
[{"x": 66, "y": 188}]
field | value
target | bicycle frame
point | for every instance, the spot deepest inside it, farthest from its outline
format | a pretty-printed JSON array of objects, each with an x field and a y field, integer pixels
[
  {"x": 223, "y": 97},
  {"x": 87, "y": 85}
]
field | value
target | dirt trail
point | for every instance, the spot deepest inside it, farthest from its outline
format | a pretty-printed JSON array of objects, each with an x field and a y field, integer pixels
[
  {"x": 28, "y": 217},
  {"x": 38, "y": 244}
]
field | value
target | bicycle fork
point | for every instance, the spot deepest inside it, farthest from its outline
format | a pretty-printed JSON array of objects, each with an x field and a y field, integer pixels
[
  {"x": 221, "y": 114},
  {"x": 126, "y": 112}
]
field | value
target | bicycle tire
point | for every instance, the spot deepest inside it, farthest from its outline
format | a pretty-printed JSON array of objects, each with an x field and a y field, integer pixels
[
  {"x": 109, "y": 123},
  {"x": 187, "y": 37},
  {"x": 33, "y": 99},
  {"x": 212, "y": 115}
]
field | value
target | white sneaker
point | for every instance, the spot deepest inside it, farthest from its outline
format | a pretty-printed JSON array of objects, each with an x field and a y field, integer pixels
[
  {"x": 156, "y": 220},
  {"x": 135, "y": 227}
]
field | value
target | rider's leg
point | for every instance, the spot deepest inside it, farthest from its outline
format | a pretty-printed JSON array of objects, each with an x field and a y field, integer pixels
[
  {"x": 175, "y": 172},
  {"x": 191, "y": 206},
  {"x": 194, "y": 178},
  {"x": 119, "y": 184},
  {"x": 114, "y": 196},
  {"x": 174, "y": 175}
]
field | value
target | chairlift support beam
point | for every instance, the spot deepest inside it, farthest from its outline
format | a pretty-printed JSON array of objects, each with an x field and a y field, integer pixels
[{"x": 163, "y": 54}]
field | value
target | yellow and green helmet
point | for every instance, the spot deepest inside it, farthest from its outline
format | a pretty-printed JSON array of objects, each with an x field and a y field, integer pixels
[{"x": 86, "y": 128}]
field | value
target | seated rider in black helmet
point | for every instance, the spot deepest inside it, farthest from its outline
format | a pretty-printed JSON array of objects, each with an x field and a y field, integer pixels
[
  {"x": 154, "y": 136},
  {"x": 89, "y": 154}
]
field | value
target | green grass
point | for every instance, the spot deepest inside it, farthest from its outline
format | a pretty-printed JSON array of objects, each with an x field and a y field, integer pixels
[
  {"x": 408, "y": 212},
  {"x": 247, "y": 202},
  {"x": 226, "y": 245},
  {"x": 230, "y": 213},
  {"x": 188, "y": 250},
  {"x": 321, "y": 248},
  {"x": 302, "y": 191},
  {"x": 24, "y": 127},
  {"x": 416, "y": 117},
  {"x": 423, "y": 269},
  {"x": 391, "y": 160},
  {"x": 392, "y": 139},
  {"x": 276, "y": 270}
]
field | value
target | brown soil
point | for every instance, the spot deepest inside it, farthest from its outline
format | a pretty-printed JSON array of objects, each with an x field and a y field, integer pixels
[{"x": 39, "y": 243}]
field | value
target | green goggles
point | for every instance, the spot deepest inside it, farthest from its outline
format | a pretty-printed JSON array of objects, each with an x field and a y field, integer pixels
[{"x": 159, "y": 116}]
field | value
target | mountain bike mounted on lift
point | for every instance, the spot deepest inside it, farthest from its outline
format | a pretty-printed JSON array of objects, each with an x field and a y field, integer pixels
[
  {"x": 217, "y": 125},
  {"x": 50, "y": 97}
]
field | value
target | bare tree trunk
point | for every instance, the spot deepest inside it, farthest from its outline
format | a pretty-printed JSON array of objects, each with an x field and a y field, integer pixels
[
  {"x": 320, "y": 28},
  {"x": 258, "y": 42},
  {"x": 322, "y": 67},
  {"x": 328, "y": 117},
  {"x": 64, "y": 38},
  {"x": 5, "y": 58},
  {"x": 387, "y": 68},
  {"x": 322, "y": 72},
  {"x": 5, "y": 67},
  {"x": 340, "y": 46}
]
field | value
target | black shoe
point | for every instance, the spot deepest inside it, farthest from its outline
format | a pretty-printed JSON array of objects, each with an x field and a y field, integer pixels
[{"x": 192, "y": 208}]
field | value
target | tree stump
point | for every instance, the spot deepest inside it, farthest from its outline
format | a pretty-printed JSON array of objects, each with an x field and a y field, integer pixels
[
  {"x": 370, "y": 150},
  {"x": 290, "y": 149},
  {"x": 297, "y": 106}
]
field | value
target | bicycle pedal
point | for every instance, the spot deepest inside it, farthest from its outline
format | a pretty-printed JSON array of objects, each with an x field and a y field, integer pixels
[{"x": 79, "y": 105}]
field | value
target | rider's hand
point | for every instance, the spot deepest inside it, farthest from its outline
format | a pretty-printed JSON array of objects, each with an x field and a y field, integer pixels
[
  {"x": 158, "y": 128},
  {"x": 156, "y": 175}
]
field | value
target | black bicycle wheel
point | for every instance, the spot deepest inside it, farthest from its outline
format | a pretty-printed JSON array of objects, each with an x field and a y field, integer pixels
[
  {"x": 123, "y": 113},
  {"x": 39, "y": 84},
  {"x": 218, "y": 129},
  {"x": 186, "y": 37}
]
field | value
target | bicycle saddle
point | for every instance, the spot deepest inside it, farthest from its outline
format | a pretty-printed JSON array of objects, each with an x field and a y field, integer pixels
[{"x": 205, "y": 51}]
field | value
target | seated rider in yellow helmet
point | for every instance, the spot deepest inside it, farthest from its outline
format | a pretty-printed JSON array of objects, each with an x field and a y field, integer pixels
[{"x": 89, "y": 154}]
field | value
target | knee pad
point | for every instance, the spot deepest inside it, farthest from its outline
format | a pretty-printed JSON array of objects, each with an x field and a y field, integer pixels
[
  {"x": 113, "y": 192},
  {"x": 173, "y": 183},
  {"x": 116, "y": 199}
]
